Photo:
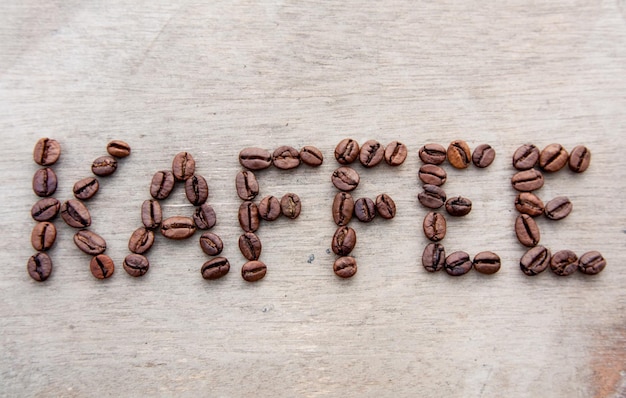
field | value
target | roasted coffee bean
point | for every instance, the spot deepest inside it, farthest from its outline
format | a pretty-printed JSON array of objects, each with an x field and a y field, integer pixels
[
  {"x": 248, "y": 216},
  {"x": 564, "y": 262},
  {"x": 345, "y": 179},
  {"x": 458, "y": 206},
  {"x": 525, "y": 157},
  {"x": 211, "y": 243},
  {"x": 250, "y": 246},
  {"x": 255, "y": 158},
  {"x": 591, "y": 263},
  {"x": 527, "y": 180},
  {"x": 44, "y": 182},
  {"x": 183, "y": 166},
  {"x": 433, "y": 197},
  {"x": 86, "y": 188},
  {"x": 395, "y": 153},
  {"x": 343, "y": 207},
  {"x": 483, "y": 155},
  {"x": 290, "y": 205},
  {"x": 39, "y": 267},
  {"x": 136, "y": 265},
  {"x": 151, "y": 214},
  {"x": 102, "y": 266},
  {"x": 343, "y": 241},
  {"x": 433, "y": 257},
  {"x": 90, "y": 242},
  {"x": 458, "y": 263},
  {"x": 269, "y": 208},
  {"x": 432, "y": 174},
  {"x": 432, "y": 154},
  {"x": 286, "y": 157},
  {"x": 162, "y": 184},
  {"x": 558, "y": 208},
  {"x": 385, "y": 206},
  {"x": 246, "y": 185},
  {"x": 75, "y": 214},
  {"x": 434, "y": 226},
  {"x": 579, "y": 159},
  {"x": 45, "y": 209},
  {"x": 178, "y": 227},
  {"x": 141, "y": 240},
  {"x": 553, "y": 158},
  {"x": 118, "y": 148},
  {"x": 311, "y": 156},
  {"x": 347, "y": 151},
  {"x": 196, "y": 190},
  {"x": 535, "y": 260},
  {"x": 527, "y": 230},
  {"x": 47, "y": 151},
  {"x": 529, "y": 203},
  {"x": 487, "y": 262},
  {"x": 459, "y": 154},
  {"x": 371, "y": 153},
  {"x": 43, "y": 236},
  {"x": 253, "y": 271},
  {"x": 345, "y": 267},
  {"x": 104, "y": 166},
  {"x": 204, "y": 216},
  {"x": 364, "y": 209},
  {"x": 215, "y": 268}
]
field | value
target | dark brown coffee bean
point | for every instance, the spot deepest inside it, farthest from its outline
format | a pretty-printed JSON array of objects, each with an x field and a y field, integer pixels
[
  {"x": 45, "y": 209},
  {"x": 118, "y": 148},
  {"x": 204, "y": 216},
  {"x": 458, "y": 206},
  {"x": 86, "y": 188},
  {"x": 432, "y": 197},
  {"x": 345, "y": 179},
  {"x": 529, "y": 203},
  {"x": 385, "y": 206},
  {"x": 75, "y": 214},
  {"x": 151, "y": 214},
  {"x": 343, "y": 241},
  {"x": 178, "y": 227},
  {"x": 591, "y": 263},
  {"x": 483, "y": 155},
  {"x": 432, "y": 154},
  {"x": 246, "y": 185},
  {"x": 250, "y": 246},
  {"x": 141, "y": 240},
  {"x": 90, "y": 242},
  {"x": 525, "y": 157},
  {"x": 535, "y": 260},
  {"x": 102, "y": 266},
  {"x": 196, "y": 190},
  {"x": 459, "y": 154},
  {"x": 526, "y": 230},
  {"x": 286, "y": 157},
  {"x": 364, "y": 209},
  {"x": 136, "y": 265},
  {"x": 487, "y": 262},
  {"x": 269, "y": 208},
  {"x": 527, "y": 180},
  {"x": 579, "y": 159},
  {"x": 39, "y": 267},
  {"x": 458, "y": 263},
  {"x": 183, "y": 166},
  {"x": 434, "y": 226},
  {"x": 395, "y": 153},
  {"x": 215, "y": 268},
  {"x": 44, "y": 182},
  {"x": 347, "y": 151},
  {"x": 290, "y": 205},
  {"x": 564, "y": 262},
  {"x": 343, "y": 207},
  {"x": 253, "y": 271},
  {"x": 371, "y": 153},
  {"x": 255, "y": 158},
  {"x": 47, "y": 151},
  {"x": 211, "y": 243},
  {"x": 558, "y": 208},
  {"x": 433, "y": 257},
  {"x": 248, "y": 216},
  {"x": 104, "y": 166},
  {"x": 345, "y": 267},
  {"x": 311, "y": 156},
  {"x": 553, "y": 158},
  {"x": 43, "y": 236},
  {"x": 162, "y": 184},
  {"x": 432, "y": 174}
]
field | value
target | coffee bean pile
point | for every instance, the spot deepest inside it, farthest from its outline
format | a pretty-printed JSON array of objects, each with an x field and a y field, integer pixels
[
  {"x": 433, "y": 176},
  {"x": 346, "y": 179},
  {"x": 530, "y": 162}
]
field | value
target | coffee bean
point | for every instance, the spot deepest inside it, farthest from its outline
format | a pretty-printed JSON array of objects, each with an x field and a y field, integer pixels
[
  {"x": 459, "y": 154},
  {"x": 535, "y": 260},
  {"x": 86, "y": 188},
  {"x": 286, "y": 157},
  {"x": 253, "y": 271},
  {"x": 104, "y": 166},
  {"x": 579, "y": 159},
  {"x": 89, "y": 242},
  {"x": 364, "y": 209},
  {"x": 178, "y": 227},
  {"x": 432, "y": 174},
  {"x": 290, "y": 205},
  {"x": 458, "y": 206},
  {"x": 395, "y": 153},
  {"x": 564, "y": 262},
  {"x": 433, "y": 257},
  {"x": 196, "y": 190},
  {"x": 162, "y": 184},
  {"x": 553, "y": 158},
  {"x": 248, "y": 216},
  {"x": 118, "y": 148},
  {"x": 487, "y": 262},
  {"x": 371, "y": 153},
  {"x": 483, "y": 155},
  {"x": 529, "y": 203},
  {"x": 44, "y": 182},
  {"x": 527, "y": 230},
  {"x": 269, "y": 208},
  {"x": 347, "y": 151},
  {"x": 141, "y": 240},
  {"x": 345, "y": 267},
  {"x": 458, "y": 263},
  {"x": 432, "y": 154},
  {"x": 43, "y": 236},
  {"x": 343, "y": 207},
  {"x": 311, "y": 156},
  {"x": 183, "y": 166},
  {"x": 151, "y": 214},
  {"x": 558, "y": 208},
  {"x": 345, "y": 179},
  {"x": 75, "y": 214},
  {"x": 215, "y": 268},
  {"x": 45, "y": 209},
  {"x": 136, "y": 265},
  {"x": 250, "y": 246},
  {"x": 434, "y": 226},
  {"x": 255, "y": 158},
  {"x": 47, "y": 151},
  {"x": 432, "y": 197},
  {"x": 343, "y": 241},
  {"x": 204, "y": 216},
  {"x": 102, "y": 266},
  {"x": 246, "y": 185},
  {"x": 525, "y": 157},
  {"x": 385, "y": 206},
  {"x": 39, "y": 267},
  {"x": 211, "y": 243},
  {"x": 527, "y": 180},
  {"x": 591, "y": 263}
]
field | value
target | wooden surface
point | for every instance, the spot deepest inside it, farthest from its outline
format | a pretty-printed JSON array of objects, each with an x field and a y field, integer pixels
[{"x": 214, "y": 77}]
